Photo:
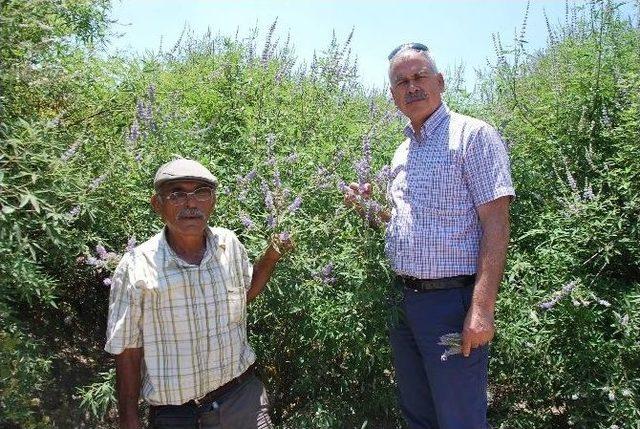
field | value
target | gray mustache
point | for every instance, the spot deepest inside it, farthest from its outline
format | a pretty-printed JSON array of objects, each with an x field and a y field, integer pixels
[
  {"x": 190, "y": 212},
  {"x": 415, "y": 97}
]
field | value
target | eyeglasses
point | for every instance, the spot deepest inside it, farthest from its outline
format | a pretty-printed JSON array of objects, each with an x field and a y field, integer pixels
[
  {"x": 405, "y": 46},
  {"x": 180, "y": 197}
]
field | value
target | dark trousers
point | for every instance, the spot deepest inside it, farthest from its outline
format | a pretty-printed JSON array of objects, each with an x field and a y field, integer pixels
[
  {"x": 244, "y": 407},
  {"x": 437, "y": 393}
]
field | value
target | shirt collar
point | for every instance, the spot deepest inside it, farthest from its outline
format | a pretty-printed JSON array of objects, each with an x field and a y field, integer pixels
[
  {"x": 430, "y": 125},
  {"x": 171, "y": 258}
]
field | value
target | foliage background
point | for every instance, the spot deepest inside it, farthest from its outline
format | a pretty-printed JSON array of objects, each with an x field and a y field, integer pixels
[{"x": 82, "y": 135}]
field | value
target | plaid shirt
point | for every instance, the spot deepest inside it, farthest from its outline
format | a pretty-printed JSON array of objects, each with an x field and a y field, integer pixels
[
  {"x": 438, "y": 179},
  {"x": 189, "y": 319}
]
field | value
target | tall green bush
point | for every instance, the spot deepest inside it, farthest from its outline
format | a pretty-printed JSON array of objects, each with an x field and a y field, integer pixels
[
  {"x": 567, "y": 354},
  {"x": 44, "y": 46}
]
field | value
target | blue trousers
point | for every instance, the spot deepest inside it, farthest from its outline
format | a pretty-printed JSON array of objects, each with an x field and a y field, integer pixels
[{"x": 436, "y": 393}]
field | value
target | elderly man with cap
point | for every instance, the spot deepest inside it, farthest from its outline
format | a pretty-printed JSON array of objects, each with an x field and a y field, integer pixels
[
  {"x": 177, "y": 314},
  {"x": 446, "y": 239}
]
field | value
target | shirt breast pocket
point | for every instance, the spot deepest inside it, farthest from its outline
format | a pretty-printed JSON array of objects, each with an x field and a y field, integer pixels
[
  {"x": 235, "y": 299},
  {"x": 441, "y": 188}
]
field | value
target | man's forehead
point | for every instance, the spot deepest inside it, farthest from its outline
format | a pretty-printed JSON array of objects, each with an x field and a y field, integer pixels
[
  {"x": 409, "y": 62},
  {"x": 182, "y": 185}
]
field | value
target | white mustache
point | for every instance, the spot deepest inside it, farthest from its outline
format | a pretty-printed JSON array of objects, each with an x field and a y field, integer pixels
[
  {"x": 410, "y": 98},
  {"x": 190, "y": 212}
]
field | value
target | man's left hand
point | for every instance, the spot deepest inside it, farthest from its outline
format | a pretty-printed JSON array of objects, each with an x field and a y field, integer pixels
[
  {"x": 280, "y": 245},
  {"x": 478, "y": 329}
]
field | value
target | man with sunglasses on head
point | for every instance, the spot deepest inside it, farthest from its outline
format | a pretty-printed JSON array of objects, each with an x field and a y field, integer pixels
[
  {"x": 446, "y": 239},
  {"x": 177, "y": 314}
]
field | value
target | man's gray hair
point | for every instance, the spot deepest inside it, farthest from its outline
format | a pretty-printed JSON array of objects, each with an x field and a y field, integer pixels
[{"x": 426, "y": 54}]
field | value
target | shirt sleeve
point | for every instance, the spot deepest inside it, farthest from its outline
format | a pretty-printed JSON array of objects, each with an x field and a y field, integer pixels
[
  {"x": 486, "y": 167},
  {"x": 123, "y": 323}
]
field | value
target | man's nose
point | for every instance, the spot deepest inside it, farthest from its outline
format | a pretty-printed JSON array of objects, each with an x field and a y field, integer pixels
[
  {"x": 191, "y": 200},
  {"x": 412, "y": 85}
]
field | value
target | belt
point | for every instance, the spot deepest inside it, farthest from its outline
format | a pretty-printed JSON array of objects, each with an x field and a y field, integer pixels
[
  {"x": 425, "y": 285},
  {"x": 214, "y": 395}
]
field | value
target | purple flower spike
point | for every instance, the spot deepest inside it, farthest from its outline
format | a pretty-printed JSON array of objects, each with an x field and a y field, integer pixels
[
  {"x": 382, "y": 176},
  {"x": 548, "y": 305},
  {"x": 363, "y": 169},
  {"x": 107, "y": 281},
  {"x": 342, "y": 185},
  {"x": 327, "y": 270},
  {"x": 246, "y": 221},
  {"x": 97, "y": 182},
  {"x": 295, "y": 205},
  {"x": 366, "y": 147},
  {"x": 566, "y": 289},
  {"x": 271, "y": 221},
  {"x": 91, "y": 261},
  {"x": 268, "y": 197},
  {"x": 70, "y": 152},
  {"x": 74, "y": 212},
  {"x": 271, "y": 139},
  {"x": 134, "y": 131},
  {"x": 277, "y": 183},
  {"x": 292, "y": 158},
  {"x": 144, "y": 111},
  {"x": 250, "y": 176},
  {"x": 284, "y": 236},
  {"x": 101, "y": 251},
  {"x": 326, "y": 274}
]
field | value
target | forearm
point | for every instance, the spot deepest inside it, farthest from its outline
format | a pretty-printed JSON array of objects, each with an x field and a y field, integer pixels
[
  {"x": 262, "y": 271},
  {"x": 491, "y": 262},
  {"x": 128, "y": 382}
]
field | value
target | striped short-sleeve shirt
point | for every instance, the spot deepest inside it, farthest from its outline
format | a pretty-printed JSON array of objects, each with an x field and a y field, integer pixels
[
  {"x": 189, "y": 319},
  {"x": 438, "y": 179}
]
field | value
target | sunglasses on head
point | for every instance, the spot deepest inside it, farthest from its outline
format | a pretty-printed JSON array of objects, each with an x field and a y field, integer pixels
[{"x": 405, "y": 46}]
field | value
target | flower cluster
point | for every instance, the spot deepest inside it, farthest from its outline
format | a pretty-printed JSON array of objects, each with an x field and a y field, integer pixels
[
  {"x": 105, "y": 260},
  {"x": 326, "y": 274},
  {"x": 276, "y": 197},
  {"x": 74, "y": 212},
  {"x": 71, "y": 151},
  {"x": 95, "y": 183},
  {"x": 144, "y": 119},
  {"x": 452, "y": 343},
  {"x": 559, "y": 295}
]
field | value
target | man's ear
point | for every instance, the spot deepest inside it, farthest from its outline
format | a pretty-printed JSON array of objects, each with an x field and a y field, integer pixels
[
  {"x": 156, "y": 204},
  {"x": 441, "y": 82}
]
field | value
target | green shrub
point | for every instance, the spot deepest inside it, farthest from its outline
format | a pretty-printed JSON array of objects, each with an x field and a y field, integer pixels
[{"x": 567, "y": 350}]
